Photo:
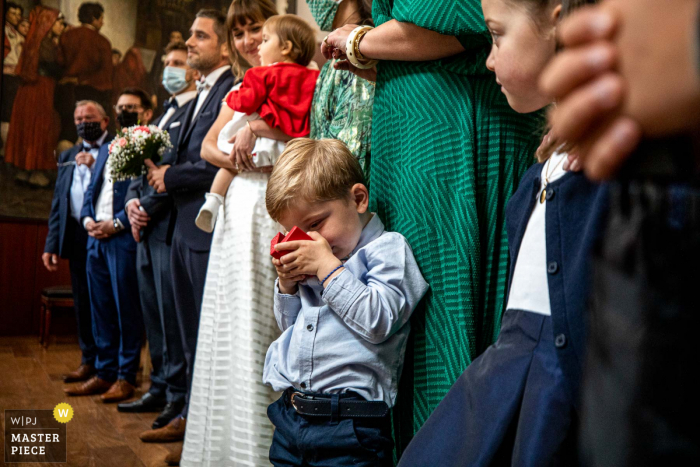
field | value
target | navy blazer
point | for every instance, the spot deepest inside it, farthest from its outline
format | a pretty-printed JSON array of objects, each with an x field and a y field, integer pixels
[
  {"x": 159, "y": 206},
  {"x": 58, "y": 240},
  {"x": 574, "y": 221},
  {"x": 93, "y": 192},
  {"x": 189, "y": 179}
]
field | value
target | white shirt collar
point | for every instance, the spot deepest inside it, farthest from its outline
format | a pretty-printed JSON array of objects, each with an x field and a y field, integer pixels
[
  {"x": 185, "y": 97},
  {"x": 101, "y": 139},
  {"x": 214, "y": 76}
]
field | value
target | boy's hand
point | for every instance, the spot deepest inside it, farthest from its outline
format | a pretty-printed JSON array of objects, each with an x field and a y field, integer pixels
[
  {"x": 313, "y": 258},
  {"x": 288, "y": 280}
]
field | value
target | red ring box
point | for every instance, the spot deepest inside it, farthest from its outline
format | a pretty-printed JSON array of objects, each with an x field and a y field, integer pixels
[{"x": 294, "y": 235}]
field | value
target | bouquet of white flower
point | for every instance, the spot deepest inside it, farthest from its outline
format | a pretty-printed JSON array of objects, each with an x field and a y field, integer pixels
[{"x": 132, "y": 146}]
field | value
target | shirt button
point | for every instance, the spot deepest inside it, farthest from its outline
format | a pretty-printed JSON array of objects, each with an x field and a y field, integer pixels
[
  {"x": 310, "y": 327},
  {"x": 303, "y": 385},
  {"x": 550, "y": 194},
  {"x": 560, "y": 341},
  {"x": 552, "y": 267}
]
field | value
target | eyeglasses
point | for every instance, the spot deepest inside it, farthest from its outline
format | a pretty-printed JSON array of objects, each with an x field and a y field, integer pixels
[{"x": 127, "y": 107}]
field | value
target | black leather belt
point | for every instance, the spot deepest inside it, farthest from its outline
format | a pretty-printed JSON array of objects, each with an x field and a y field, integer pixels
[{"x": 319, "y": 405}]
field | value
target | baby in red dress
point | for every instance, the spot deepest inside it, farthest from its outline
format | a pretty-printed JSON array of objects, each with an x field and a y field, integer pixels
[{"x": 279, "y": 91}]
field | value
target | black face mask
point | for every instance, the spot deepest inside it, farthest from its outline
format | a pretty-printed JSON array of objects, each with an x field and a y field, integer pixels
[
  {"x": 89, "y": 131},
  {"x": 127, "y": 119}
]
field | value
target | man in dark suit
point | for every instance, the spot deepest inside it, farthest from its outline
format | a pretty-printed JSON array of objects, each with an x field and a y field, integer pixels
[
  {"x": 188, "y": 180},
  {"x": 150, "y": 214},
  {"x": 66, "y": 237},
  {"x": 111, "y": 270},
  {"x": 86, "y": 57}
]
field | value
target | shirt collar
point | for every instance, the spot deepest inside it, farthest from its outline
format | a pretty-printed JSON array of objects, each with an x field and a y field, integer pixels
[
  {"x": 185, "y": 97},
  {"x": 214, "y": 76},
  {"x": 90, "y": 26},
  {"x": 372, "y": 231},
  {"x": 101, "y": 139}
]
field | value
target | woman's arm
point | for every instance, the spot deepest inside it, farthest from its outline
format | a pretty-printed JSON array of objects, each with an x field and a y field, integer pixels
[
  {"x": 394, "y": 40},
  {"x": 262, "y": 129},
  {"x": 210, "y": 150}
]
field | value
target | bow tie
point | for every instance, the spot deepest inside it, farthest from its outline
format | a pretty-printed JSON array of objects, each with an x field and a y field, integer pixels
[
  {"x": 89, "y": 146},
  {"x": 170, "y": 104},
  {"x": 202, "y": 86}
]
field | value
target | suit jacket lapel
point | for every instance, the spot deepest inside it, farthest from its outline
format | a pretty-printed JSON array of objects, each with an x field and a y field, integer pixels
[
  {"x": 188, "y": 123},
  {"x": 206, "y": 102},
  {"x": 71, "y": 157},
  {"x": 98, "y": 172}
]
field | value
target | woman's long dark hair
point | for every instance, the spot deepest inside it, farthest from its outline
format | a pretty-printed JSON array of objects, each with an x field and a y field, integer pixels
[{"x": 240, "y": 13}]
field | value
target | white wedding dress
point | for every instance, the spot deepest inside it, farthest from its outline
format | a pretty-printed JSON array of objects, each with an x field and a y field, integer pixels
[{"x": 227, "y": 422}]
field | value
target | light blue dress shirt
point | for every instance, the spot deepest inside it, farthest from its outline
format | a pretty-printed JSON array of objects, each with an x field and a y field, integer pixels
[
  {"x": 81, "y": 180},
  {"x": 352, "y": 335}
]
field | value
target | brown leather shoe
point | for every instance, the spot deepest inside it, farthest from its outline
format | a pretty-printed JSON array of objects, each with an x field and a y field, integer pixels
[
  {"x": 173, "y": 458},
  {"x": 83, "y": 373},
  {"x": 120, "y": 390},
  {"x": 94, "y": 385},
  {"x": 173, "y": 431}
]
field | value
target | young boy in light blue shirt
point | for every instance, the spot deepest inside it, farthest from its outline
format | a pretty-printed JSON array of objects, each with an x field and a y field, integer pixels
[{"x": 343, "y": 302}]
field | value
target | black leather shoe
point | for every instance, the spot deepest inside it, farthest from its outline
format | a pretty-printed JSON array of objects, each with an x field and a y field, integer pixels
[
  {"x": 171, "y": 410},
  {"x": 147, "y": 403}
]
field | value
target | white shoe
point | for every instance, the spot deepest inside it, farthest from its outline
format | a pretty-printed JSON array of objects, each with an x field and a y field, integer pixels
[{"x": 206, "y": 219}]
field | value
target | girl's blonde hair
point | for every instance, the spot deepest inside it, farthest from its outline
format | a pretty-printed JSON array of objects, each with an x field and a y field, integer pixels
[
  {"x": 298, "y": 32},
  {"x": 311, "y": 171},
  {"x": 240, "y": 13}
]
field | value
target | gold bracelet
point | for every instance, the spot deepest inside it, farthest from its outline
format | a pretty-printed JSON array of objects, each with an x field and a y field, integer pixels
[
  {"x": 251, "y": 130},
  {"x": 356, "y": 45}
]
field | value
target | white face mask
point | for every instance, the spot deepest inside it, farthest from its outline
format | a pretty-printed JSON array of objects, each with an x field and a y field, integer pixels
[{"x": 174, "y": 79}]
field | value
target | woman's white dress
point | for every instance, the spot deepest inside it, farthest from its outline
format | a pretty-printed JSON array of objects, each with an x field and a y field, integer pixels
[{"x": 227, "y": 422}]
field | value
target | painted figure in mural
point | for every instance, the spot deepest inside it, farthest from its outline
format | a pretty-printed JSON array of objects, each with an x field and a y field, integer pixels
[
  {"x": 86, "y": 56},
  {"x": 32, "y": 137},
  {"x": 116, "y": 57},
  {"x": 12, "y": 44}
]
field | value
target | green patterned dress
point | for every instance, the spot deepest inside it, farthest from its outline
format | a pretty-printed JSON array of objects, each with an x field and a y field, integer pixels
[
  {"x": 447, "y": 153},
  {"x": 342, "y": 109}
]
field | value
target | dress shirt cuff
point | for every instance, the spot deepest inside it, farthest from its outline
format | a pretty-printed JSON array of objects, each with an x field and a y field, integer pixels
[
  {"x": 342, "y": 291},
  {"x": 288, "y": 305},
  {"x": 126, "y": 206},
  {"x": 86, "y": 220}
]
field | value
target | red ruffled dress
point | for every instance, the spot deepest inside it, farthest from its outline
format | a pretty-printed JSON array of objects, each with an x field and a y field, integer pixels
[{"x": 280, "y": 93}]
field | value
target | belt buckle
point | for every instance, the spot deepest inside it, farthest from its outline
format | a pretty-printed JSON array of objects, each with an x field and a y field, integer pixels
[{"x": 291, "y": 399}]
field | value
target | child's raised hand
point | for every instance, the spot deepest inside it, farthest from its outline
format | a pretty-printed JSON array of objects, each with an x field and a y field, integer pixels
[
  {"x": 313, "y": 258},
  {"x": 288, "y": 280}
]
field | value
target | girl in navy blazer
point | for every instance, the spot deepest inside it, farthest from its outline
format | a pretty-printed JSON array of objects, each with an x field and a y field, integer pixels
[{"x": 517, "y": 404}]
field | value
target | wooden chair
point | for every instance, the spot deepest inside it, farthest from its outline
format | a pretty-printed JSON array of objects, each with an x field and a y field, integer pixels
[{"x": 52, "y": 297}]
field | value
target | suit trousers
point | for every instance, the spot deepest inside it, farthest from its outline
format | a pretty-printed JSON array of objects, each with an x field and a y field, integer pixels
[
  {"x": 640, "y": 392},
  {"x": 189, "y": 272},
  {"x": 168, "y": 377},
  {"x": 81, "y": 293},
  {"x": 117, "y": 323}
]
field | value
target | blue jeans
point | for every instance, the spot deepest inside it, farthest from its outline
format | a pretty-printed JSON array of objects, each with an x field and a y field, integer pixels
[{"x": 319, "y": 441}]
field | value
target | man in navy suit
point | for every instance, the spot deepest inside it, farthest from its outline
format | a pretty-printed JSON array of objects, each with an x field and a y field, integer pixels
[
  {"x": 188, "y": 180},
  {"x": 111, "y": 270},
  {"x": 66, "y": 237},
  {"x": 150, "y": 214}
]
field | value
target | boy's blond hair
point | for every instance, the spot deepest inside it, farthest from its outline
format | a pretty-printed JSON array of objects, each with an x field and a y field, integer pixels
[
  {"x": 311, "y": 171},
  {"x": 297, "y": 31}
]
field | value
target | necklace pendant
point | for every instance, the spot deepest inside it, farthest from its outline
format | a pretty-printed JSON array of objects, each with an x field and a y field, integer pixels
[{"x": 543, "y": 196}]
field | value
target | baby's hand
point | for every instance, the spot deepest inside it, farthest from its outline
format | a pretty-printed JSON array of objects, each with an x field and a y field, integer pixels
[
  {"x": 288, "y": 280},
  {"x": 306, "y": 257}
]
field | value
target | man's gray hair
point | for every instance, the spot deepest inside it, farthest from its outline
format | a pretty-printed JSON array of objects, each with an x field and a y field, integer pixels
[{"x": 97, "y": 105}]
